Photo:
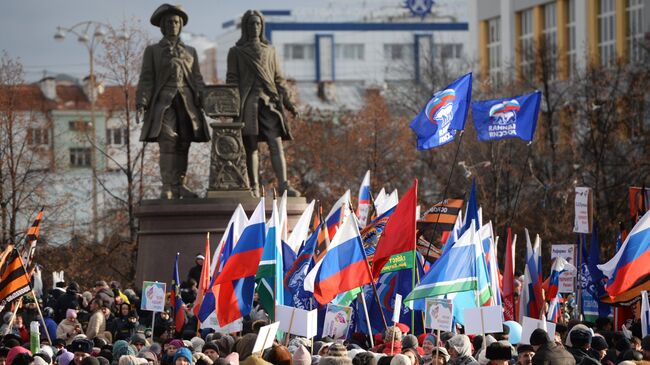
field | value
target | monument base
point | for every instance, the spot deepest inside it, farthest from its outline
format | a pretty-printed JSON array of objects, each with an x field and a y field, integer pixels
[{"x": 170, "y": 226}]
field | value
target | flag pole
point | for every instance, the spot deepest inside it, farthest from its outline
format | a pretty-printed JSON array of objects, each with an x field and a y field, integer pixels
[
  {"x": 415, "y": 256},
  {"x": 365, "y": 311},
  {"x": 372, "y": 280},
  {"x": 521, "y": 181},
  {"x": 444, "y": 194}
]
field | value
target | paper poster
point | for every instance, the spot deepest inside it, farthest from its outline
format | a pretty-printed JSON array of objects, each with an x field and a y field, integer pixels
[
  {"x": 483, "y": 320},
  {"x": 297, "y": 321},
  {"x": 568, "y": 252},
  {"x": 265, "y": 337},
  {"x": 232, "y": 327},
  {"x": 528, "y": 325},
  {"x": 397, "y": 308},
  {"x": 153, "y": 296},
  {"x": 337, "y": 321},
  {"x": 583, "y": 210},
  {"x": 439, "y": 314}
]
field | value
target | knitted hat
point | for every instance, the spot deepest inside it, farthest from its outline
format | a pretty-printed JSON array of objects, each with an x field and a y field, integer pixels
[
  {"x": 442, "y": 352},
  {"x": 335, "y": 360},
  {"x": 400, "y": 359},
  {"x": 364, "y": 358},
  {"x": 337, "y": 350},
  {"x": 599, "y": 343},
  {"x": 210, "y": 346},
  {"x": 122, "y": 348},
  {"x": 132, "y": 360},
  {"x": 301, "y": 356},
  {"x": 176, "y": 343},
  {"x": 183, "y": 352},
  {"x": 64, "y": 358},
  {"x": 197, "y": 344},
  {"x": 232, "y": 358},
  {"x": 138, "y": 339},
  {"x": 409, "y": 341},
  {"x": 539, "y": 337},
  {"x": 71, "y": 313}
]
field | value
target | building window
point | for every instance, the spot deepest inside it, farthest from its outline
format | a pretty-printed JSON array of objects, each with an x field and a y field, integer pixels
[
  {"x": 494, "y": 50},
  {"x": 550, "y": 40},
  {"x": 38, "y": 136},
  {"x": 115, "y": 136},
  {"x": 448, "y": 51},
  {"x": 607, "y": 32},
  {"x": 80, "y": 157},
  {"x": 527, "y": 45},
  {"x": 635, "y": 29},
  {"x": 79, "y": 125},
  {"x": 571, "y": 32},
  {"x": 298, "y": 51},
  {"x": 353, "y": 52},
  {"x": 398, "y": 52}
]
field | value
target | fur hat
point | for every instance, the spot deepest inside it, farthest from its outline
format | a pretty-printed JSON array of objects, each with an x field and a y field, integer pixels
[
  {"x": 498, "y": 351},
  {"x": 197, "y": 344},
  {"x": 409, "y": 341},
  {"x": 164, "y": 9},
  {"x": 278, "y": 355},
  {"x": 81, "y": 345}
]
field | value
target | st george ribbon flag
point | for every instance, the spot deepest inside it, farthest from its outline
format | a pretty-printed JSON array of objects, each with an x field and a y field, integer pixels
[
  {"x": 507, "y": 118},
  {"x": 444, "y": 114}
]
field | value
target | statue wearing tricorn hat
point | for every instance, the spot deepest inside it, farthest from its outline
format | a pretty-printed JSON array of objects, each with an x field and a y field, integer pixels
[{"x": 169, "y": 99}]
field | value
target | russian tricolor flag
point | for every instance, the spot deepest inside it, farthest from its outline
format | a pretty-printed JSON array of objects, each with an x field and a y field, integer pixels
[
  {"x": 363, "y": 208},
  {"x": 629, "y": 267},
  {"x": 552, "y": 284},
  {"x": 340, "y": 210},
  {"x": 238, "y": 274},
  {"x": 176, "y": 300},
  {"x": 343, "y": 267}
]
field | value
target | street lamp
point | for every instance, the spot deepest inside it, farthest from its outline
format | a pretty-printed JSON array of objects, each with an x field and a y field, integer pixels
[{"x": 90, "y": 34}]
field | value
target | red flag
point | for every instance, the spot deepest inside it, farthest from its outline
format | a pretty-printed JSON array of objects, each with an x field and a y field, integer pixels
[
  {"x": 399, "y": 233},
  {"x": 204, "y": 282},
  {"x": 508, "y": 281}
]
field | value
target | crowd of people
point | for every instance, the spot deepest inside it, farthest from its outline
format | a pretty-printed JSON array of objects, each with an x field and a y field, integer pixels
[{"x": 104, "y": 326}]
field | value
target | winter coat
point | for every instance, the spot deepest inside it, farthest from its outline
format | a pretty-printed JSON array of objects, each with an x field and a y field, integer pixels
[
  {"x": 123, "y": 329},
  {"x": 107, "y": 297},
  {"x": 552, "y": 354},
  {"x": 65, "y": 330},
  {"x": 96, "y": 325},
  {"x": 69, "y": 300},
  {"x": 50, "y": 326},
  {"x": 583, "y": 357}
]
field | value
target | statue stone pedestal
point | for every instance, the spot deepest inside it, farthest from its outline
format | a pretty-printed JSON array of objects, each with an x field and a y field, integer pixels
[
  {"x": 228, "y": 176},
  {"x": 170, "y": 226}
]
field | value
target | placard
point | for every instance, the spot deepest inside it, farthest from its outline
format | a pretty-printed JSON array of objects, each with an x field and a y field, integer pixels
[
  {"x": 567, "y": 278},
  {"x": 439, "y": 314},
  {"x": 528, "y": 325},
  {"x": 337, "y": 321},
  {"x": 483, "y": 320},
  {"x": 397, "y": 308},
  {"x": 265, "y": 337},
  {"x": 304, "y": 322},
  {"x": 583, "y": 210},
  {"x": 153, "y": 296}
]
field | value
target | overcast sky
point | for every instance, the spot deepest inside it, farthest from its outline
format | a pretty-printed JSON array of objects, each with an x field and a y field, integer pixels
[{"x": 28, "y": 26}]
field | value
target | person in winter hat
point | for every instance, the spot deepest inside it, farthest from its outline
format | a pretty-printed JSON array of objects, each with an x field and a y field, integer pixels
[
  {"x": 211, "y": 350},
  {"x": 460, "y": 351},
  {"x": 279, "y": 355},
  {"x": 183, "y": 356},
  {"x": 548, "y": 352}
]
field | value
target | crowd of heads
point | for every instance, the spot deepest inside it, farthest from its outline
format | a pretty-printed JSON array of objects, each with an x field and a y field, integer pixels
[{"x": 105, "y": 326}]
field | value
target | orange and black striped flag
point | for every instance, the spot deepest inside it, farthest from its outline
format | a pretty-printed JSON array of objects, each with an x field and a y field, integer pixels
[
  {"x": 444, "y": 212},
  {"x": 31, "y": 238},
  {"x": 323, "y": 240},
  {"x": 14, "y": 281}
]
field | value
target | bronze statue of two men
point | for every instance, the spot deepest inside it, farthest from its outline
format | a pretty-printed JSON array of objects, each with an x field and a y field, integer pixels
[{"x": 169, "y": 98}]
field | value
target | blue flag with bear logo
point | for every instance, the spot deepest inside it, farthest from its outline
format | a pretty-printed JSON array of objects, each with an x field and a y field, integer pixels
[
  {"x": 444, "y": 114},
  {"x": 506, "y": 118}
]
